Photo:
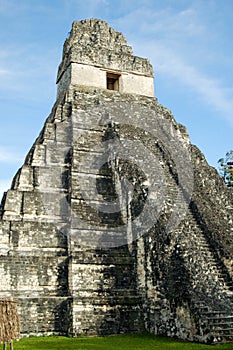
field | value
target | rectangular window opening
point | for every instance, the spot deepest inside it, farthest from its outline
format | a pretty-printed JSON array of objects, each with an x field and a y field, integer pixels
[{"x": 113, "y": 81}]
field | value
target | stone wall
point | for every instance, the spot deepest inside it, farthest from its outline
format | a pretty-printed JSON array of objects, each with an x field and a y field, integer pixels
[
  {"x": 92, "y": 49},
  {"x": 94, "y": 42},
  {"x": 167, "y": 282},
  {"x": 116, "y": 223},
  {"x": 83, "y": 74}
]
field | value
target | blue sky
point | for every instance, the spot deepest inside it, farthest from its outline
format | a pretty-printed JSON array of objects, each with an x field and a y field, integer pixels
[{"x": 189, "y": 43}]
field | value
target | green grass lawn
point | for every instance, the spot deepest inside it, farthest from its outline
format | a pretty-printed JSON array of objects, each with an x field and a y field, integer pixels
[{"x": 126, "y": 342}]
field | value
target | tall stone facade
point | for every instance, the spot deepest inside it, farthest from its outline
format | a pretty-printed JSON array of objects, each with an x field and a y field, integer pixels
[{"x": 116, "y": 223}]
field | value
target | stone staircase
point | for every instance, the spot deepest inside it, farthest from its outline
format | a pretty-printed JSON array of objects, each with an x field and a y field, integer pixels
[
  {"x": 213, "y": 320},
  {"x": 215, "y": 326}
]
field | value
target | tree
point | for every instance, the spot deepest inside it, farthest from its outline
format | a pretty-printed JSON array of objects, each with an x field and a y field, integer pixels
[{"x": 226, "y": 168}]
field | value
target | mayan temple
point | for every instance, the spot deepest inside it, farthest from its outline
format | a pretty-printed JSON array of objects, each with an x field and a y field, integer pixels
[{"x": 115, "y": 223}]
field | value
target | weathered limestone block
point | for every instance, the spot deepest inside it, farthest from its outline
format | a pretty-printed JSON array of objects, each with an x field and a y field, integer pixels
[
  {"x": 64, "y": 133},
  {"x": 51, "y": 178},
  {"x": 4, "y": 238},
  {"x": 23, "y": 180},
  {"x": 41, "y": 316},
  {"x": 38, "y": 155},
  {"x": 36, "y": 235},
  {"x": 33, "y": 205},
  {"x": 48, "y": 133},
  {"x": 56, "y": 153},
  {"x": 110, "y": 320},
  {"x": 13, "y": 205}
]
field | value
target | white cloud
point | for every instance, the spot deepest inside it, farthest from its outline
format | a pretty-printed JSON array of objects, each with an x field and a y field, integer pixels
[
  {"x": 28, "y": 70},
  {"x": 7, "y": 156},
  {"x": 4, "y": 72},
  {"x": 5, "y": 185},
  {"x": 166, "y": 24},
  {"x": 209, "y": 89},
  {"x": 177, "y": 43}
]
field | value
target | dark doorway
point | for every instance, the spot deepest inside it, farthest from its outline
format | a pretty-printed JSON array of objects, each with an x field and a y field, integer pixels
[{"x": 113, "y": 81}]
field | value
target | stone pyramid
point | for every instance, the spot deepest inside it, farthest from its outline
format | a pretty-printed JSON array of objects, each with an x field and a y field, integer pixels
[{"x": 116, "y": 223}]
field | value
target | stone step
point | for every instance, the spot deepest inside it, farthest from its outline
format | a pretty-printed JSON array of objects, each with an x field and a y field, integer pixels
[
  {"x": 224, "y": 334},
  {"x": 217, "y": 313},
  {"x": 203, "y": 307},
  {"x": 220, "y": 339},
  {"x": 218, "y": 320},
  {"x": 111, "y": 300},
  {"x": 221, "y": 326},
  {"x": 224, "y": 312},
  {"x": 215, "y": 322}
]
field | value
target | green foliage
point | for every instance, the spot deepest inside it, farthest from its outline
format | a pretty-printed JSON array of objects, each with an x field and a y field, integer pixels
[
  {"x": 226, "y": 168},
  {"x": 123, "y": 342}
]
